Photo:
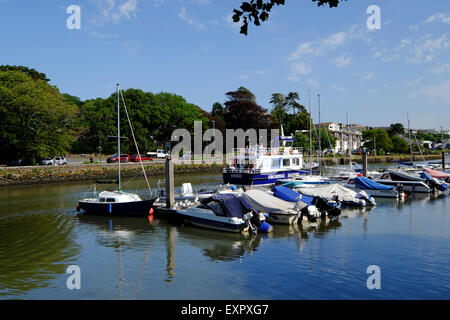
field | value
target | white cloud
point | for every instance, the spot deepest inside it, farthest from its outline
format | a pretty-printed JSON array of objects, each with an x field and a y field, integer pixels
[
  {"x": 191, "y": 21},
  {"x": 319, "y": 47},
  {"x": 426, "y": 48},
  {"x": 261, "y": 72},
  {"x": 441, "y": 91},
  {"x": 242, "y": 77},
  {"x": 341, "y": 61},
  {"x": 336, "y": 87},
  {"x": 313, "y": 82},
  {"x": 445, "y": 68},
  {"x": 410, "y": 83},
  {"x": 110, "y": 10},
  {"x": 442, "y": 17},
  {"x": 367, "y": 76},
  {"x": 300, "y": 68}
]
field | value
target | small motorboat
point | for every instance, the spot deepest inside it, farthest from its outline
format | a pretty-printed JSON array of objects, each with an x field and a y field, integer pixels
[
  {"x": 326, "y": 208},
  {"x": 279, "y": 211},
  {"x": 224, "y": 212},
  {"x": 375, "y": 189},
  {"x": 339, "y": 193},
  {"x": 418, "y": 181}
]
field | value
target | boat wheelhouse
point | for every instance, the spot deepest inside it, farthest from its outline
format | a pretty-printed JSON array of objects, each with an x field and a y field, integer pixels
[{"x": 259, "y": 165}]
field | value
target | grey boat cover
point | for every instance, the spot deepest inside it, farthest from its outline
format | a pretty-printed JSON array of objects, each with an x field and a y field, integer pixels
[
  {"x": 264, "y": 202},
  {"x": 329, "y": 192}
]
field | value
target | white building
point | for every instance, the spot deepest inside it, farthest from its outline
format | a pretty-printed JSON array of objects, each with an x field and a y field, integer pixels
[{"x": 347, "y": 139}]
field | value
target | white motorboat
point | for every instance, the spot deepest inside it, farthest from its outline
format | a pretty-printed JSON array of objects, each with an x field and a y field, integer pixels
[
  {"x": 375, "y": 189},
  {"x": 224, "y": 212},
  {"x": 279, "y": 211},
  {"x": 338, "y": 193}
]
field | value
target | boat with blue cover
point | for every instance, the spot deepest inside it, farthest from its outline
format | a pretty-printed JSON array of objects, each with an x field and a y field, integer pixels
[
  {"x": 325, "y": 207},
  {"x": 375, "y": 189},
  {"x": 225, "y": 212}
]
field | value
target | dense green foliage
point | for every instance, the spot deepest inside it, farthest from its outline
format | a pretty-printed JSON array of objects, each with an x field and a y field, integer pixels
[
  {"x": 35, "y": 120},
  {"x": 153, "y": 116}
]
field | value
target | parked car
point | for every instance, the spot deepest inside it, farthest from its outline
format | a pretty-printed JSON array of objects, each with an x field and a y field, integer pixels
[
  {"x": 47, "y": 162},
  {"x": 60, "y": 161},
  {"x": 135, "y": 158},
  {"x": 115, "y": 158},
  {"x": 16, "y": 163}
]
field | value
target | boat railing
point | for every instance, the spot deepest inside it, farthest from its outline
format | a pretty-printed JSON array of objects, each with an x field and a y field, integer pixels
[
  {"x": 241, "y": 170},
  {"x": 258, "y": 151}
]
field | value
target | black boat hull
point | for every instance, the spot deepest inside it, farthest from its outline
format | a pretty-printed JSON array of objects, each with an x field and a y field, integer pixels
[{"x": 122, "y": 209}]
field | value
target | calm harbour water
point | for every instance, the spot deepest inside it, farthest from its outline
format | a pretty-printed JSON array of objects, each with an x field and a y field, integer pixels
[{"x": 41, "y": 234}]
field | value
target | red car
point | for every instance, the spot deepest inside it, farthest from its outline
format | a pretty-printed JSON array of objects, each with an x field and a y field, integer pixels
[
  {"x": 115, "y": 158},
  {"x": 135, "y": 158}
]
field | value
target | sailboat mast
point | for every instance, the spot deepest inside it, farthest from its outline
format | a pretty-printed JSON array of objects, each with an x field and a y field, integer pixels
[
  {"x": 118, "y": 132},
  {"x": 310, "y": 134},
  {"x": 409, "y": 137},
  {"x": 320, "y": 144}
]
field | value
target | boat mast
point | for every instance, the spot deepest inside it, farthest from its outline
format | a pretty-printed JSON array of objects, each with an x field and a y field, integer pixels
[
  {"x": 118, "y": 132},
  {"x": 349, "y": 143},
  {"x": 320, "y": 144},
  {"x": 409, "y": 137},
  {"x": 310, "y": 134}
]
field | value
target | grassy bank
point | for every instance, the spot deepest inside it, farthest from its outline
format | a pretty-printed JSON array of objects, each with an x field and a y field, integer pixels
[{"x": 59, "y": 174}]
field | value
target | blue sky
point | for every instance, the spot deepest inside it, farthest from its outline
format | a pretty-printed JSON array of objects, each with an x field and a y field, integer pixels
[{"x": 191, "y": 48}]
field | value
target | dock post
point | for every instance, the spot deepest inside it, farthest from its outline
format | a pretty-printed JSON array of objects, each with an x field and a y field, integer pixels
[
  {"x": 170, "y": 194},
  {"x": 443, "y": 160},
  {"x": 364, "y": 160}
]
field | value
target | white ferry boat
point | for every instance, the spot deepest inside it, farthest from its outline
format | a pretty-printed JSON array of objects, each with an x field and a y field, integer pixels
[{"x": 258, "y": 165}]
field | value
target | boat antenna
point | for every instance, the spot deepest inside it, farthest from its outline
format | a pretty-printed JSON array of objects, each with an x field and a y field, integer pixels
[{"x": 118, "y": 132}]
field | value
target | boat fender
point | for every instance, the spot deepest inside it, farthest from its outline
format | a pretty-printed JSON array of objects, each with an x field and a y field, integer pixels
[{"x": 265, "y": 228}]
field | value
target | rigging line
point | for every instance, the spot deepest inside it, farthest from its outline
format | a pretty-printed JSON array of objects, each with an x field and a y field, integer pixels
[
  {"x": 135, "y": 143},
  {"x": 420, "y": 150}
]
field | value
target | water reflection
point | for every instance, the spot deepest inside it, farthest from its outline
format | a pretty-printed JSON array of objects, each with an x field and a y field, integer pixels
[
  {"x": 34, "y": 249},
  {"x": 220, "y": 246}
]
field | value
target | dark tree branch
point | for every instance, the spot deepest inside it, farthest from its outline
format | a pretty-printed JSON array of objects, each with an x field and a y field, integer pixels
[{"x": 258, "y": 10}]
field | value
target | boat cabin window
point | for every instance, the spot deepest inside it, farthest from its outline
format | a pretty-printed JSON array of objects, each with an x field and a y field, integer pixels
[
  {"x": 286, "y": 162},
  {"x": 102, "y": 199},
  {"x": 110, "y": 200},
  {"x": 275, "y": 163},
  {"x": 296, "y": 161},
  {"x": 214, "y": 206}
]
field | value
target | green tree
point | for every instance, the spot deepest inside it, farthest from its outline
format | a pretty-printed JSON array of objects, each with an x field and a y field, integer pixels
[
  {"x": 35, "y": 120},
  {"x": 399, "y": 145},
  {"x": 396, "y": 129},
  {"x": 377, "y": 138},
  {"x": 242, "y": 111}
]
